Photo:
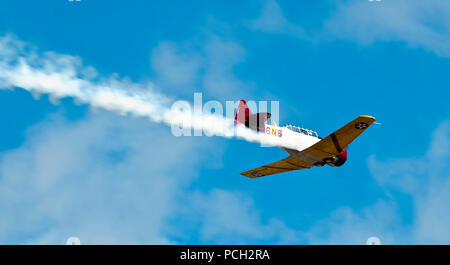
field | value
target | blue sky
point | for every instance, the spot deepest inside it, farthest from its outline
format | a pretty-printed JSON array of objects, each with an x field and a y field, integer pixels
[{"x": 68, "y": 171}]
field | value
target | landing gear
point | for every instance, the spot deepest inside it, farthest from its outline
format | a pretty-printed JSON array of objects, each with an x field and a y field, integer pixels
[
  {"x": 328, "y": 160},
  {"x": 319, "y": 164}
]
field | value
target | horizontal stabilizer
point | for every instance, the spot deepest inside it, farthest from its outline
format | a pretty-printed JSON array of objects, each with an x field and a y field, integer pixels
[{"x": 253, "y": 121}]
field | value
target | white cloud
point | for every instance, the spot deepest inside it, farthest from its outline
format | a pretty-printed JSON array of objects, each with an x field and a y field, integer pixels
[
  {"x": 347, "y": 226},
  {"x": 425, "y": 179},
  {"x": 231, "y": 217},
  {"x": 432, "y": 218},
  {"x": 104, "y": 179},
  {"x": 219, "y": 79},
  {"x": 210, "y": 70},
  {"x": 272, "y": 20},
  {"x": 418, "y": 23},
  {"x": 175, "y": 68}
]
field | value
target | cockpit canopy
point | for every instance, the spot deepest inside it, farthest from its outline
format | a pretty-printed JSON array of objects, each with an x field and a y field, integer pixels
[{"x": 302, "y": 130}]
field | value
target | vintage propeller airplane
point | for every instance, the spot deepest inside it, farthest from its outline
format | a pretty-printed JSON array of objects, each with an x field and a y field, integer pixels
[{"x": 312, "y": 150}]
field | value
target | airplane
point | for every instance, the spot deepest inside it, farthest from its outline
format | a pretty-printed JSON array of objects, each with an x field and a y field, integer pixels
[{"x": 311, "y": 150}]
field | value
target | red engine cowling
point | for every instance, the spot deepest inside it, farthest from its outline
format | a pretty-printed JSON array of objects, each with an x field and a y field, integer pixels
[{"x": 341, "y": 158}]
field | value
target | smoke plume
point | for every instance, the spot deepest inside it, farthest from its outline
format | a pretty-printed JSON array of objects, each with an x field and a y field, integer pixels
[{"x": 60, "y": 76}]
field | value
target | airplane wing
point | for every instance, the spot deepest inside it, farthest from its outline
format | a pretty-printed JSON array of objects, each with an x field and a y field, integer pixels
[
  {"x": 288, "y": 164},
  {"x": 328, "y": 147},
  {"x": 334, "y": 143}
]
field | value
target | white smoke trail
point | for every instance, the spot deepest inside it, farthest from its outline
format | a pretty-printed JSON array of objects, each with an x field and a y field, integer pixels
[{"x": 64, "y": 76}]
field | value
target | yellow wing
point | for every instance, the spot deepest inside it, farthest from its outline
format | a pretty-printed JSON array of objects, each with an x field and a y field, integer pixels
[
  {"x": 285, "y": 165},
  {"x": 334, "y": 143},
  {"x": 328, "y": 147}
]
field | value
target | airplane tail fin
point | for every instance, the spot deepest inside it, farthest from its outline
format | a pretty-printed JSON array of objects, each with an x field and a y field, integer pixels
[
  {"x": 242, "y": 113},
  {"x": 253, "y": 121}
]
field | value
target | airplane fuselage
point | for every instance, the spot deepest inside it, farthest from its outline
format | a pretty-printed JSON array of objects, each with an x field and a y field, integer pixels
[{"x": 300, "y": 140}]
